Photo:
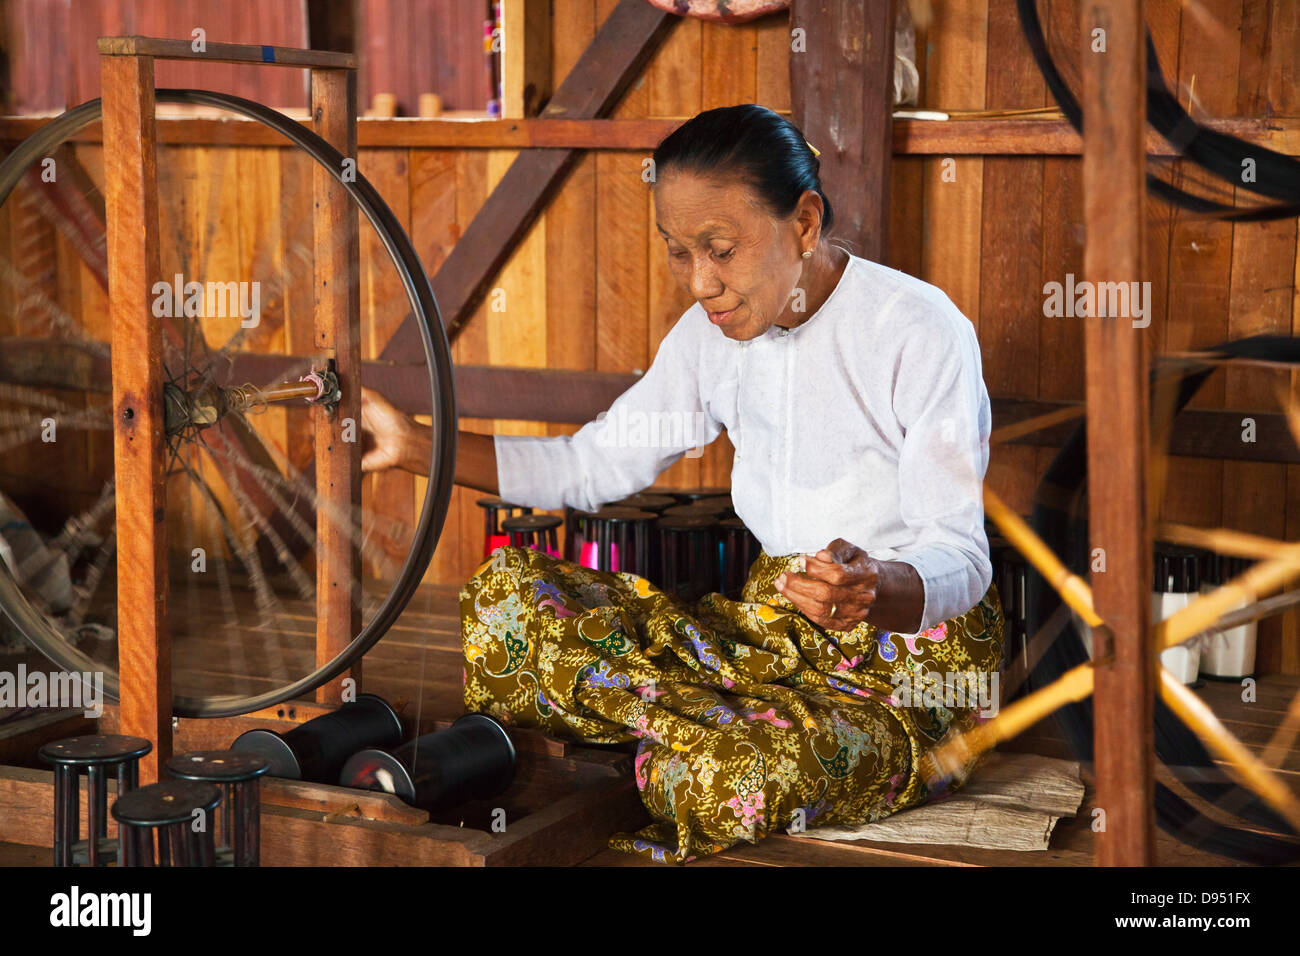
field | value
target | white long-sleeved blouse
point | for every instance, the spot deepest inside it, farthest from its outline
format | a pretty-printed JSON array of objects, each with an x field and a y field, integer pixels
[{"x": 869, "y": 422}]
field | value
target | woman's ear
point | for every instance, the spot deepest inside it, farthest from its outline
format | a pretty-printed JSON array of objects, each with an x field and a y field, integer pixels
[{"x": 809, "y": 216}]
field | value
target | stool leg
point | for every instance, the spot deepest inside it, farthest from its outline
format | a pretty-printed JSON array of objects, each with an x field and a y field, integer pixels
[
  {"x": 201, "y": 848},
  {"x": 182, "y": 842},
  {"x": 96, "y": 811},
  {"x": 249, "y": 802},
  {"x": 128, "y": 776},
  {"x": 164, "y": 846},
  {"x": 127, "y": 844},
  {"x": 144, "y": 848},
  {"x": 229, "y": 830},
  {"x": 65, "y": 813}
]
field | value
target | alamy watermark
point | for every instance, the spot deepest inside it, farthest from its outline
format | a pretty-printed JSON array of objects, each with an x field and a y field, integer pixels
[
  {"x": 626, "y": 428},
  {"x": 23, "y": 688},
  {"x": 206, "y": 300},
  {"x": 1084, "y": 299}
]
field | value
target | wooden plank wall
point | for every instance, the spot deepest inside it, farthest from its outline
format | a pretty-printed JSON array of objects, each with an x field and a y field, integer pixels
[
  {"x": 54, "y": 64},
  {"x": 590, "y": 289}
]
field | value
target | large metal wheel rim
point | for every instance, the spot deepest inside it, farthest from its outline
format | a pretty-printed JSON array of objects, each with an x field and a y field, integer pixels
[{"x": 34, "y": 625}]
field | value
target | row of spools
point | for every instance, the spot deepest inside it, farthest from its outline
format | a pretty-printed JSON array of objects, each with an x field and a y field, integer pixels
[{"x": 1179, "y": 576}]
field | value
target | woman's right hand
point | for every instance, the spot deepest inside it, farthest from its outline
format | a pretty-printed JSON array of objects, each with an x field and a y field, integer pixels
[{"x": 386, "y": 434}]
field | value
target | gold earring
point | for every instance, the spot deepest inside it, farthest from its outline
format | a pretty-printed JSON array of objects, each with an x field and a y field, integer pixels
[{"x": 808, "y": 254}]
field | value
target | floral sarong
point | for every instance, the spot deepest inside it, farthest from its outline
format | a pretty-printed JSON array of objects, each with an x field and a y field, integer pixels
[{"x": 750, "y": 718}]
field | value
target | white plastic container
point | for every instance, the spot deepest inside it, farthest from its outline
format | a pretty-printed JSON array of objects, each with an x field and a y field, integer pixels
[
  {"x": 1227, "y": 655},
  {"x": 1176, "y": 581}
]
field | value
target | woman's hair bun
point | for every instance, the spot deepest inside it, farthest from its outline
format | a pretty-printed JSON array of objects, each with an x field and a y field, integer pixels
[{"x": 751, "y": 143}]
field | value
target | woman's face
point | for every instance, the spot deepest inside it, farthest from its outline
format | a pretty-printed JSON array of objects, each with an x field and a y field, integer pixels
[{"x": 726, "y": 250}]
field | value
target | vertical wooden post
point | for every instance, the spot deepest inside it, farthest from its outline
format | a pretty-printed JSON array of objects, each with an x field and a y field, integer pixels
[
  {"x": 338, "y": 336},
  {"x": 526, "y": 57},
  {"x": 842, "y": 99},
  {"x": 131, "y": 204},
  {"x": 1114, "y": 190}
]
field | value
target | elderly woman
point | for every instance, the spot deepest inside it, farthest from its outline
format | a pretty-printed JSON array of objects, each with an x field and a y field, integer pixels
[{"x": 854, "y": 399}]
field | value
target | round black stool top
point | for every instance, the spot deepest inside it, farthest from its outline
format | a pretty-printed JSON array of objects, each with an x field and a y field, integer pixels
[
  {"x": 695, "y": 494},
  {"x": 160, "y": 804},
  {"x": 690, "y": 521},
  {"x": 492, "y": 501},
  {"x": 531, "y": 523},
  {"x": 699, "y": 508},
  {"x": 644, "y": 502},
  {"x": 95, "y": 749},
  {"x": 720, "y": 502},
  {"x": 218, "y": 766},
  {"x": 616, "y": 514}
]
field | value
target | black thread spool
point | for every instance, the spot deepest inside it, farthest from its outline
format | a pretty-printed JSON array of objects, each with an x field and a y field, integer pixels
[
  {"x": 170, "y": 808},
  {"x": 239, "y": 777},
  {"x": 572, "y": 533},
  {"x": 689, "y": 552},
  {"x": 495, "y": 510},
  {"x": 739, "y": 552},
  {"x": 317, "y": 750},
  {"x": 472, "y": 759},
  {"x": 534, "y": 531},
  {"x": 96, "y": 754},
  {"x": 624, "y": 532}
]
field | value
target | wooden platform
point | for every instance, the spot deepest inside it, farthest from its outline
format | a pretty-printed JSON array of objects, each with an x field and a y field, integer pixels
[{"x": 569, "y": 799}]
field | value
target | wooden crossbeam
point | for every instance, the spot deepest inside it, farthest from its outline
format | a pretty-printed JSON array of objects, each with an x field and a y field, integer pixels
[
  {"x": 628, "y": 37},
  {"x": 164, "y": 49}
]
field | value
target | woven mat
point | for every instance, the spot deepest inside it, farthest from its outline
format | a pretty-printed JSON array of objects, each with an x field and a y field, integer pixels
[{"x": 1012, "y": 802}]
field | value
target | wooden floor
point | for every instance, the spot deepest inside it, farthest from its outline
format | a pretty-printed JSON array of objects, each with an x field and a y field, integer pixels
[{"x": 417, "y": 666}]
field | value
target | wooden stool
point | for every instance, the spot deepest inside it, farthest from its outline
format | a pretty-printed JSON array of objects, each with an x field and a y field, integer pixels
[
  {"x": 96, "y": 753},
  {"x": 739, "y": 551},
  {"x": 533, "y": 531},
  {"x": 239, "y": 777},
  {"x": 688, "y": 550},
  {"x": 493, "y": 508},
  {"x": 617, "y": 539},
  {"x": 168, "y": 807}
]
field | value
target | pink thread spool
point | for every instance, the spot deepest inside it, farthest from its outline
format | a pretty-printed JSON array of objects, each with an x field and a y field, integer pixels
[
  {"x": 494, "y": 510},
  {"x": 616, "y": 539}
]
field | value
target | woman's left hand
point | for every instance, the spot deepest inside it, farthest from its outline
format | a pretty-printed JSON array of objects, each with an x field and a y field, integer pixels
[{"x": 837, "y": 588}]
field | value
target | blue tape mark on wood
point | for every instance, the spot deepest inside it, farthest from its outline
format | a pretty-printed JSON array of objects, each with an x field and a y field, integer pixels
[{"x": 268, "y": 54}]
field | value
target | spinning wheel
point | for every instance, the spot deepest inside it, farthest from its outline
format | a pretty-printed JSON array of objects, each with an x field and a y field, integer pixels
[{"x": 244, "y": 518}]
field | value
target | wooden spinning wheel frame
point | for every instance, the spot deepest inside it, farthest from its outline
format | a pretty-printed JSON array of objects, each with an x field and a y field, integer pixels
[{"x": 159, "y": 408}]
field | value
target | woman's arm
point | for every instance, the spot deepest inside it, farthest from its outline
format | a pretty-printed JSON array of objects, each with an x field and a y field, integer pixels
[{"x": 394, "y": 440}]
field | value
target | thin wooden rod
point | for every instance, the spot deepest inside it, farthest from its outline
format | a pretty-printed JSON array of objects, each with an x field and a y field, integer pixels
[
  {"x": 1239, "y": 544},
  {"x": 1016, "y": 430},
  {"x": 1073, "y": 590}
]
